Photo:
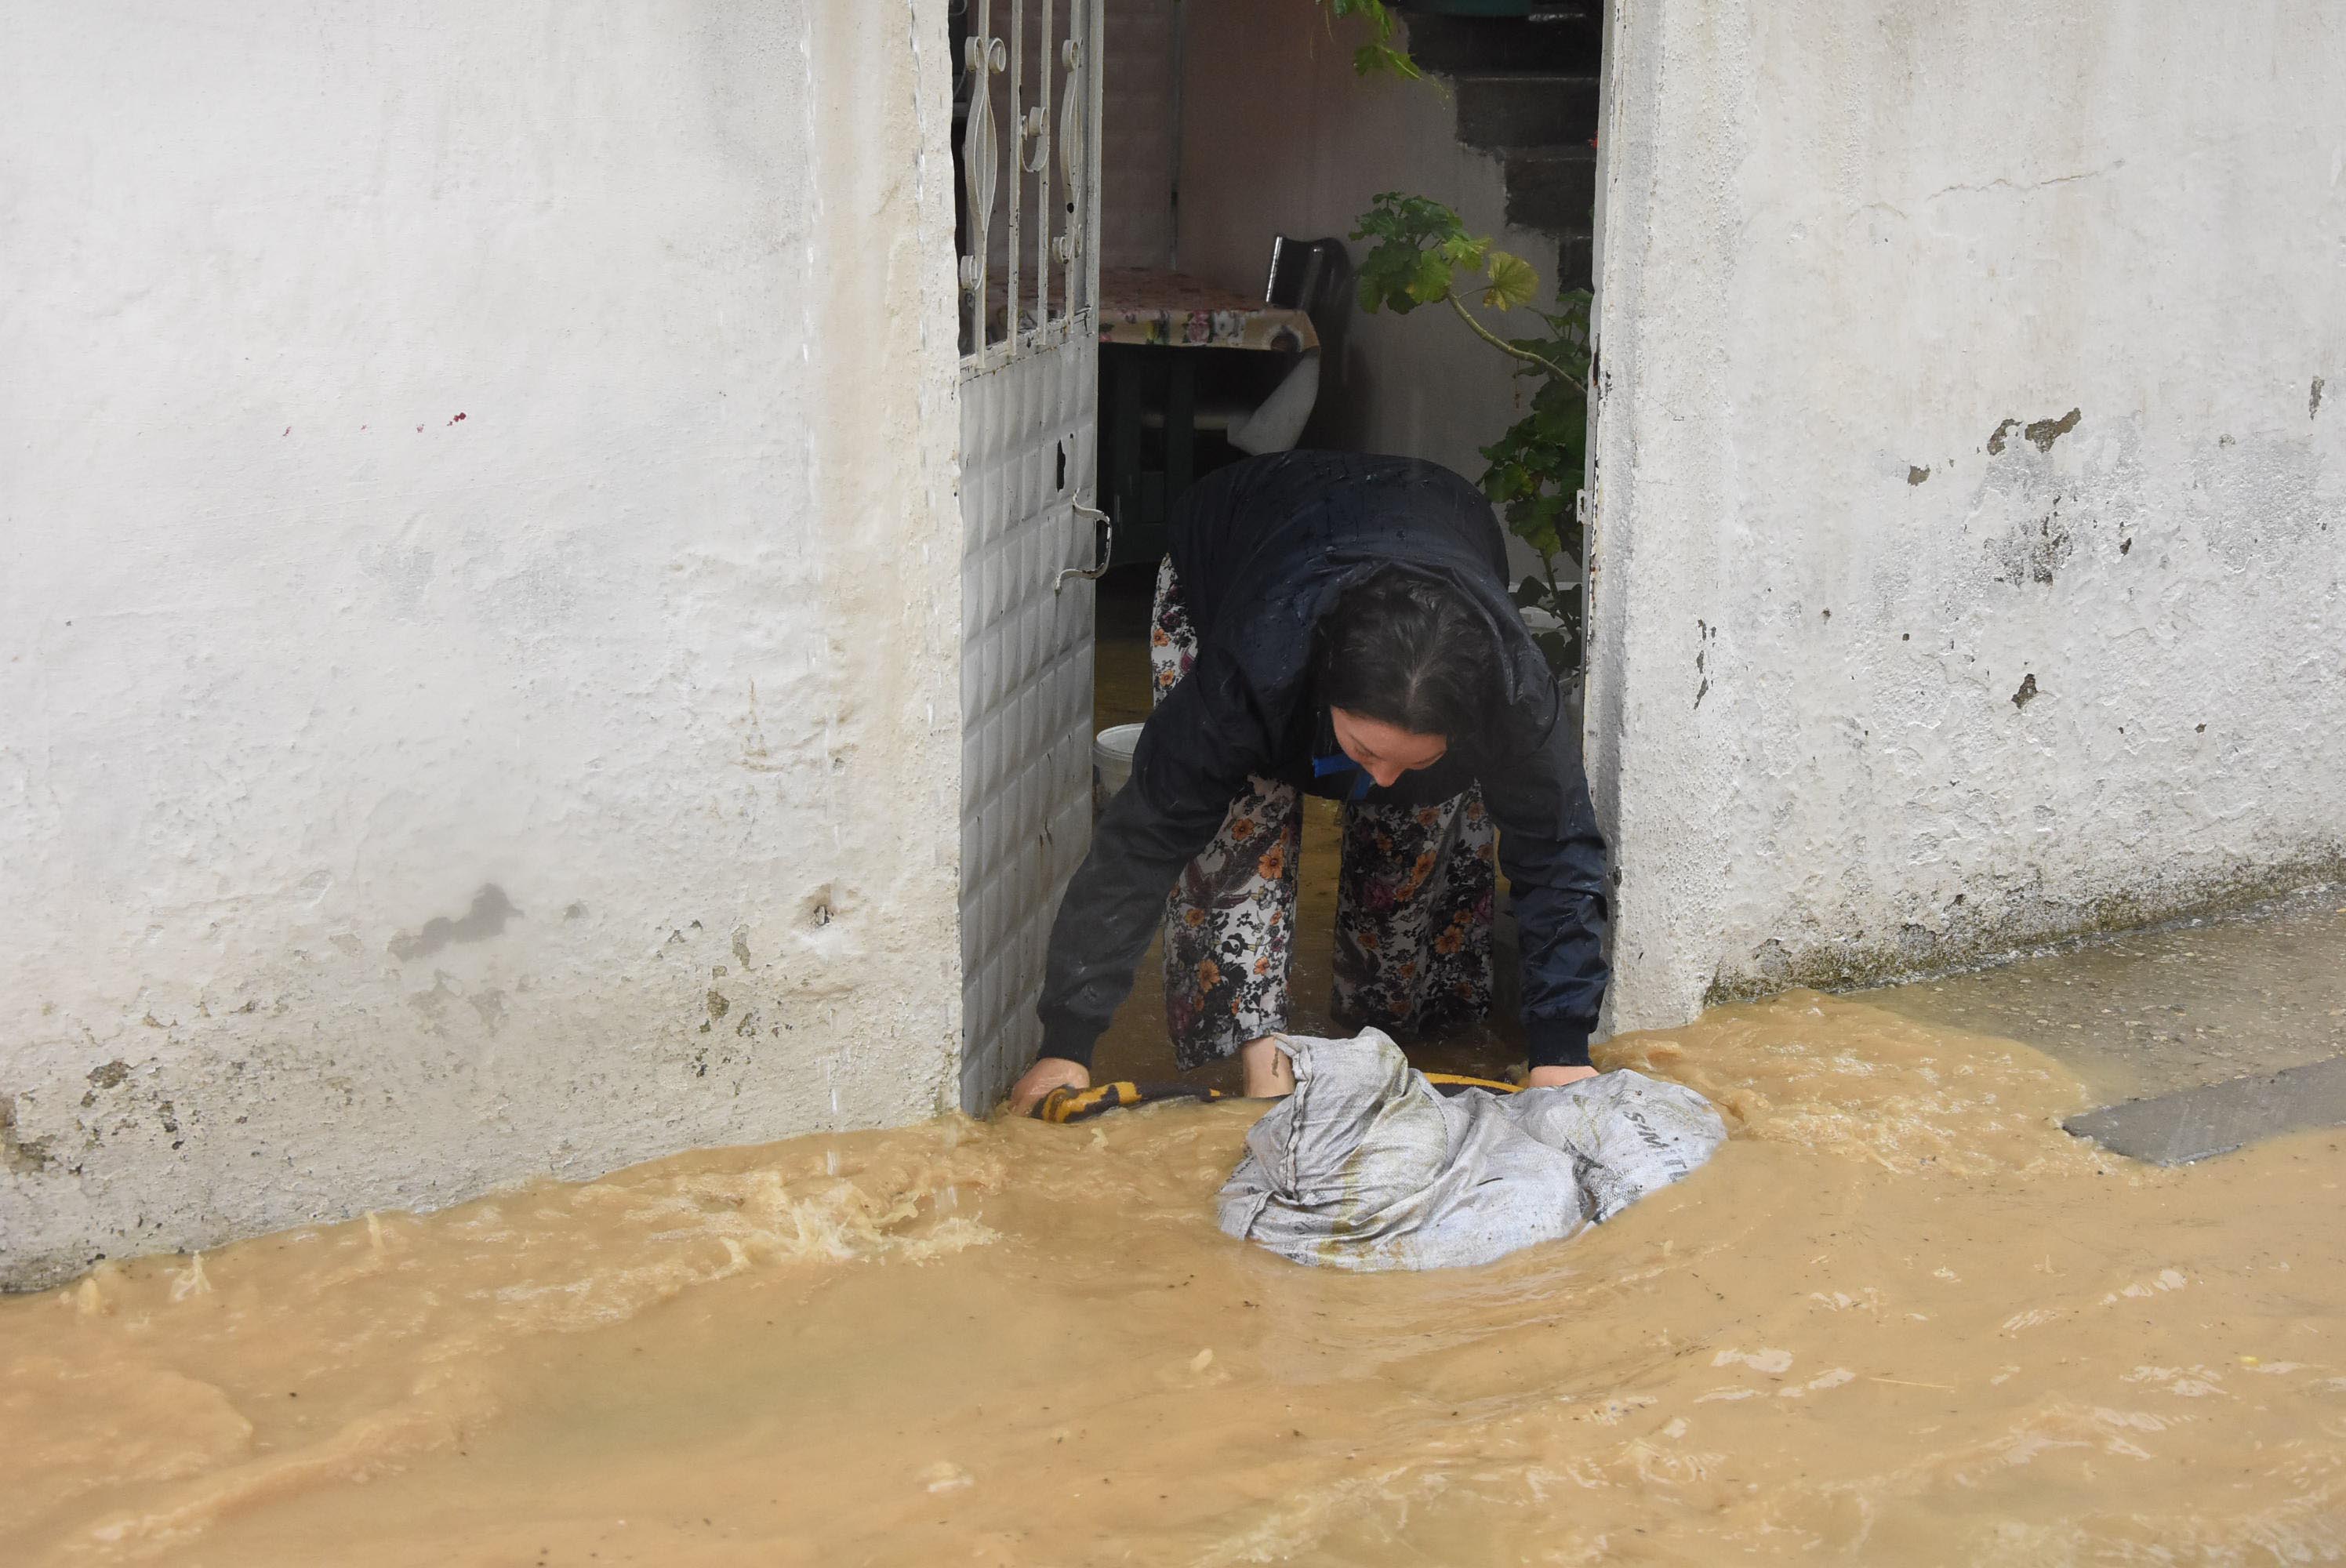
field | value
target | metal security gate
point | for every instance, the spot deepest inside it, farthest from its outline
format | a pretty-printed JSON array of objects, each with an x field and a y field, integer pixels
[{"x": 1027, "y": 115}]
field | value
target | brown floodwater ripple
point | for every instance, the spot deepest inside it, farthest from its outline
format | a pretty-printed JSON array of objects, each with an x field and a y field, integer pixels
[{"x": 1900, "y": 1318}]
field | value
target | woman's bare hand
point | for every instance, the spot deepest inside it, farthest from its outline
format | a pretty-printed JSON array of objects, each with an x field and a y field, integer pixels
[
  {"x": 1048, "y": 1073},
  {"x": 1556, "y": 1077}
]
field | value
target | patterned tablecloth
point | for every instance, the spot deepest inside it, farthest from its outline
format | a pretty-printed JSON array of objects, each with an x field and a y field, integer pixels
[
  {"x": 1151, "y": 306},
  {"x": 1148, "y": 305}
]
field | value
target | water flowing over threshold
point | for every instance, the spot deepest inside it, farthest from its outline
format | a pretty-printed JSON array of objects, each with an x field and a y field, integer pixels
[{"x": 1900, "y": 1317}]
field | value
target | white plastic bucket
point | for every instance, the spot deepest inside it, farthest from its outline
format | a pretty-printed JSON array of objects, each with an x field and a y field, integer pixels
[{"x": 1112, "y": 751}]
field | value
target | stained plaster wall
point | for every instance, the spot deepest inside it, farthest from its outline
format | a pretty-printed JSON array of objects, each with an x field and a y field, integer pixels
[
  {"x": 1279, "y": 135},
  {"x": 1971, "y": 518},
  {"x": 478, "y": 619}
]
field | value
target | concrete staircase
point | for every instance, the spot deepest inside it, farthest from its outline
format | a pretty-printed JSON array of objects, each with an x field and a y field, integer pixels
[{"x": 1527, "y": 90}]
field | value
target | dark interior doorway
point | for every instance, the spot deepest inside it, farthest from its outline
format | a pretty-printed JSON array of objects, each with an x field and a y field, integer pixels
[{"x": 1513, "y": 96}]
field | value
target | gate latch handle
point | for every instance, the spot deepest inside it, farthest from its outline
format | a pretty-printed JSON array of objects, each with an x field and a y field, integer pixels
[{"x": 1086, "y": 513}]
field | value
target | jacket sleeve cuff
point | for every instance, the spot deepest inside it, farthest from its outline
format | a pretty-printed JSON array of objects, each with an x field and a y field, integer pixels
[
  {"x": 1067, "y": 1041},
  {"x": 1556, "y": 1043}
]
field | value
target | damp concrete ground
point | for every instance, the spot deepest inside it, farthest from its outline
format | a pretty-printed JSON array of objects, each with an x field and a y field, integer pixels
[{"x": 2171, "y": 1008}]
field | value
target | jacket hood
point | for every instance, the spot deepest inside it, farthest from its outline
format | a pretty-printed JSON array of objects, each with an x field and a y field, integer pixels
[{"x": 1265, "y": 548}]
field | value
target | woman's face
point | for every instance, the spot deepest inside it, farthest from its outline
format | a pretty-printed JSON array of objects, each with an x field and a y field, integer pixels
[{"x": 1385, "y": 752}]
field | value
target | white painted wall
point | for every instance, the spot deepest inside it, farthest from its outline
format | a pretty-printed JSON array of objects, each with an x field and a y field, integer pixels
[
  {"x": 1845, "y": 245},
  {"x": 1279, "y": 136},
  {"x": 478, "y": 599}
]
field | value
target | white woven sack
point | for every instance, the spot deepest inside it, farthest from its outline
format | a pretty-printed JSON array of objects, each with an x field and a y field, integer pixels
[{"x": 1367, "y": 1166}]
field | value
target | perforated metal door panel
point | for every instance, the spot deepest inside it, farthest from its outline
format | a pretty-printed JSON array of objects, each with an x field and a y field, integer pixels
[{"x": 1026, "y": 692}]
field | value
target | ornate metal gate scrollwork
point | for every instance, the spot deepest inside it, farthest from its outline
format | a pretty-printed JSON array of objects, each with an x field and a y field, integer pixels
[{"x": 1015, "y": 237}]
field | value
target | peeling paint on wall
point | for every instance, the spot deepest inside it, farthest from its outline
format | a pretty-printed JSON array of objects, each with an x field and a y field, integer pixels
[
  {"x": 2043, "y": 433},
  {"x": 25, "y": 1157},
  {"x": 2035, "y": 552},
  {"x": 486, "y": 918},
  {"x": 2040, "y": 433}
]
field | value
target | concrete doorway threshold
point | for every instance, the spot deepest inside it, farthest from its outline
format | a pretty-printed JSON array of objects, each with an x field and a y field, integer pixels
[{"x": 2198, "y": 1123}]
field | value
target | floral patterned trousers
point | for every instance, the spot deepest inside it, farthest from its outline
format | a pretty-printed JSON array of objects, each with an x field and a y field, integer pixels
[{"x": 1413, "y": 903}]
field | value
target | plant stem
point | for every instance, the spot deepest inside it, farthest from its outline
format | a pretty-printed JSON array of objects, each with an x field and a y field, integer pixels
[{"x": 1506, "y": 346}]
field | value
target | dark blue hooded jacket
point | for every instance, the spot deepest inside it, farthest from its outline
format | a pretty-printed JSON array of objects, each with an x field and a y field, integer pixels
[{"x": 1263, "y": 549}]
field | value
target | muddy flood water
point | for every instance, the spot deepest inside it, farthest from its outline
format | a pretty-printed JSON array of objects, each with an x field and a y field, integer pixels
[{"x": 1902, "y": 1318}]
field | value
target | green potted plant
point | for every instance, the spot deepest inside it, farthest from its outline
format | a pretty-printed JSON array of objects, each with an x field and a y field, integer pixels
[{"x": 1423, "y": 255}]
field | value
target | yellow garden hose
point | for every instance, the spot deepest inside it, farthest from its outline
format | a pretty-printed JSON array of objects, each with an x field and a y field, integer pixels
[{"x": 1069, "y": 1105}]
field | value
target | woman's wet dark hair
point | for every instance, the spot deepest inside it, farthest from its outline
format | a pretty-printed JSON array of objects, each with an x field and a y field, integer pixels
[{"x": 1406, "y": 651}]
